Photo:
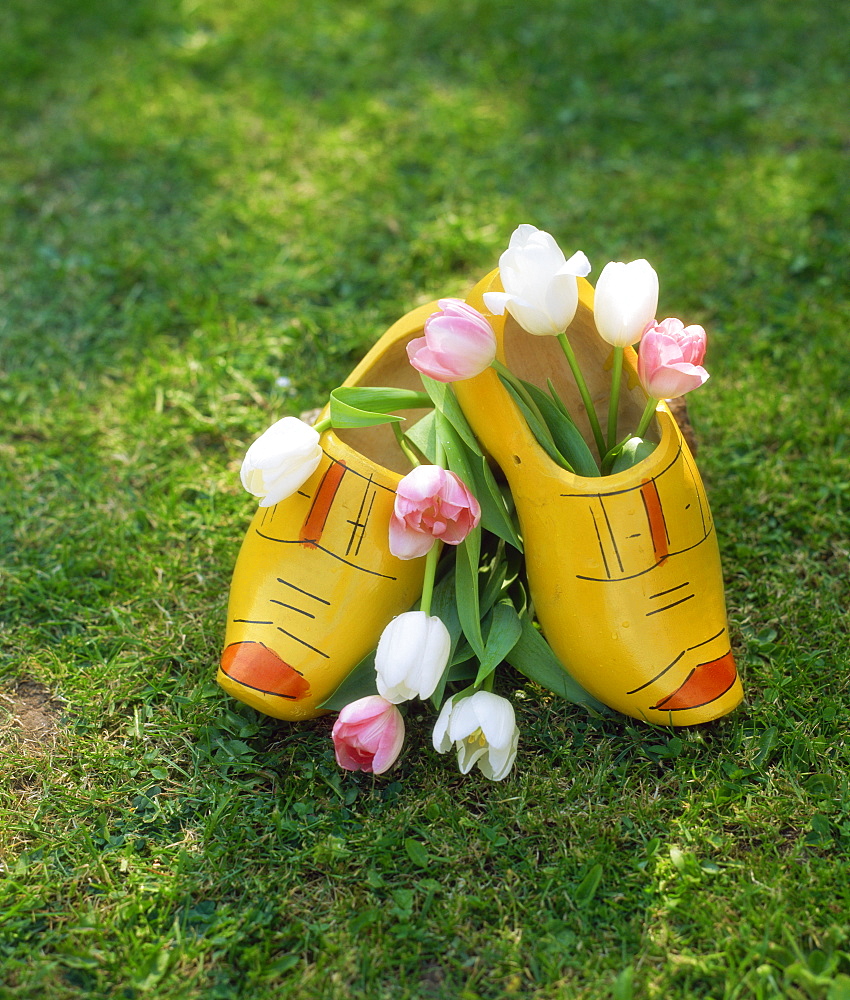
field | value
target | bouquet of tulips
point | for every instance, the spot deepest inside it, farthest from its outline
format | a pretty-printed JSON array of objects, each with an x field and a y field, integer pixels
[{"x": 475, "y": 612}]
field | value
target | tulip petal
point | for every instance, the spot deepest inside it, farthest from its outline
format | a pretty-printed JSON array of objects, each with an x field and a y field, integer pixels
[
  {"x": 406, "y": 543},
  {"x": 497, "y": 302},
  {"x": 285, "y": 485},
  {"x": 389, "y": 748},
  {"x": 499, "y": 761},
  {"x": 440, "y": 736},
  {"x": 431, "y": 503},
  {"x": 625, "y": 301},
  {"x": 281, "y": 460},
  {"x": 368, "y": 735},
  {"x": 496, "y": 718},
  {"x": 426, "y": 361},
  {"x": 532, "y": 319},
  {"x": 539, "y": 283},
  {"x": 578, "y": 265},
  {"x": 469, "y": 755},
  {"x": 412, "y": 654},
  {"x": 561, "y": 300}
]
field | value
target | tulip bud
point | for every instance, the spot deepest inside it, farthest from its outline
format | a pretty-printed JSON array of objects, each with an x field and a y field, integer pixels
[
  {"x": 483, "y": 729},
  {"x": 368, "y": 735},
  {"x": 625, "y": 301},
  {"x": 669, "y": 359},
  {"x": 541, "y": 291},
  {"x": 281, "y": 460},
  {"x": 431, "y": 504},
  {"x": 459, "y": 343},
  {"x": 412, "y": 654}
]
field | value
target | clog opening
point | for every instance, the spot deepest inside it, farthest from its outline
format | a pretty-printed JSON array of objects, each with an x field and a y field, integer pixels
[
  {"x": 537, "y": 359},
  {"x": 378, "y": 444}
]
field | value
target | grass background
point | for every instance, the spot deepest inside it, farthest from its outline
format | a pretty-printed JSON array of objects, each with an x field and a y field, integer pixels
[{"x": 197, "y": 198}]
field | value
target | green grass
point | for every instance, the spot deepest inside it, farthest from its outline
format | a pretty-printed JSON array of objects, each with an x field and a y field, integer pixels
[{"x": 198, "y": 198}]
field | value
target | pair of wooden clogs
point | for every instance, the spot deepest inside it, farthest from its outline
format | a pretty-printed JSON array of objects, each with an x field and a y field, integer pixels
[{"x": 624, "y": 570}]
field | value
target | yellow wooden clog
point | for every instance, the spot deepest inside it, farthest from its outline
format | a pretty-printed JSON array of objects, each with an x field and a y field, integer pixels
[
  {"x": 624, "y": 570},
  {"x": 315, "y": 583}
]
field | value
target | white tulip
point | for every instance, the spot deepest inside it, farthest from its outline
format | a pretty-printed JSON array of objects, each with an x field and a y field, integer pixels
[
  {"x": 625, "y": 302},
  {"x": 412, "y": 654},
  {"x": 541, "y": 291},
  {"x": 281, "y": 460},
  {"x": 483, "y": 729}
]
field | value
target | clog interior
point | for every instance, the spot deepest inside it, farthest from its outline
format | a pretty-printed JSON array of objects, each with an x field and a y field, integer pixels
[
  {"x": 378, "y": 444},
  {"x": 537, "y": 359}
]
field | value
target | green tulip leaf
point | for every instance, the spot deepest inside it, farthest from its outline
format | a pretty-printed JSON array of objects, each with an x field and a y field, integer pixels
[
  {"x": 532, "y": 656},
  {"x": 465, "y": 671},
  {"x": 567, "y": 437},
  {"x": 494, "y": 586},
  {"x": 537, "y": 426},
  {"x": 444, "y": 606},
  {"x": 473, "y": 469},
  {"x": 462, "y": 654},
  {"x": 443, "y": 398},
  {"x": 366, "y": 406},
  {"x": 631, "y": 452},
  {"x": 505, "y": 629},
  {"x": 466, "y": 590},
  {"x": 423, "y": 435},
  {"x": 495, "y": 517}
]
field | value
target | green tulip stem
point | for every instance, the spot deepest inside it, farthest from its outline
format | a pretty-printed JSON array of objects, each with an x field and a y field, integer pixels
[
  {"x": 430, "y": 573},
  {"x": 404, "y": 445},
  {"x": 433, "y": 556},
  {"x": 648, "y": 414},
  {"x": 322, "y": 425},
  {"x": 614, "y": 401},
  {"x": 567, "y": 348}
]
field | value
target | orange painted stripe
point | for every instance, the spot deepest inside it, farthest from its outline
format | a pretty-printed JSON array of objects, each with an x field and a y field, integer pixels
[
  {"x": 655, "y": 516},
  {"x": 705, "y": 683},
  {"x": 256, "y": 666},
  {"x": 314, "y": 523}
]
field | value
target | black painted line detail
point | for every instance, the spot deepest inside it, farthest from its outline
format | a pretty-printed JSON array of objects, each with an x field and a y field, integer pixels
[
  {"x": 643, "y": 572},
  {"x": 705, "y": 642},
  {"x": 687, "y": 708},
  {"x": 333, "y": 555},
  {"x": 303, "y": 643},
  {"x": 661, "y": 593},
  {"x": 356, "y": 522},
  {"x": 656, "y": 677},
  {"x": 611, "y": 533},
  {"x": 293, "y": 608},
  {"x": 306, "y": 593},
  {"x": 366, "y": 523},
  {"x": 601, "y": 546},
  {"x": 628, "y": 489},
  {"x": 667, "y": 607}
]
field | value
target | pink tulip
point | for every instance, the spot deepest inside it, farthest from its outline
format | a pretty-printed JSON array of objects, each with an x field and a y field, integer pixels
[
  {"x": 368, "y": 735},
  {"x": 459, "y": 343},
  {"x": 669, "y": 360},
  {"x": 431, "y": 503}
]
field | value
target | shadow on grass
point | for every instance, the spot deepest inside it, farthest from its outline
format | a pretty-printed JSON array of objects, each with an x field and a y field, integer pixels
[{"x": 195, "y": 158}]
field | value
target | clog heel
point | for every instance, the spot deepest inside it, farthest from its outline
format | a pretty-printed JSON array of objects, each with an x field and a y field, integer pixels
[
  {"x": 315, "y": 582},
  {"x": 624, "y": 570}
]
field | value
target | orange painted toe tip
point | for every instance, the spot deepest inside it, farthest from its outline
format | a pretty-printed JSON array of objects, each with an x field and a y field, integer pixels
[{"x": 256, "y": 666}]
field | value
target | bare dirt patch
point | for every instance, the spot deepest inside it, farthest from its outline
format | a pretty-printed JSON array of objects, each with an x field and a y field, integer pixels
[{"x": 29, "y": 713}]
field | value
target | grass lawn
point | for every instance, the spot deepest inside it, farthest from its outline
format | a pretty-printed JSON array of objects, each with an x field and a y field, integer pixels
[{"x": 198, "y": 198}]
